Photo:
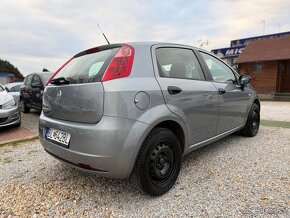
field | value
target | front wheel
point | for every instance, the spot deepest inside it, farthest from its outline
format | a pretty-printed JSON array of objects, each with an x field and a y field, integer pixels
[
  {"x": 253, "y": 122},
  {"x": 159, "y": 162}
]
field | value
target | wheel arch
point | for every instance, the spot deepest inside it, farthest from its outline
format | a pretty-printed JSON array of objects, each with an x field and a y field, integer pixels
[
  {"x": 257, "y": 102},
  {"x": 176, "y": 129},
  {"x": 172, "y": 123}
]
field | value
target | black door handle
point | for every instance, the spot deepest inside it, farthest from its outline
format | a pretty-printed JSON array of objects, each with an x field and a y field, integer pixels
[
  {"x": 173, "y": 90},
  {"x": 221, "y": 91}
]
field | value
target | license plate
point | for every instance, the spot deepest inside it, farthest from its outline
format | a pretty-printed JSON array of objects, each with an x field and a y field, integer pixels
[{"x": 58, "y": 136}]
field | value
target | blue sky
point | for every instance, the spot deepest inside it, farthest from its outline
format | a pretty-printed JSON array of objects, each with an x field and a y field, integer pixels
[{"x": 37, "y": 34}]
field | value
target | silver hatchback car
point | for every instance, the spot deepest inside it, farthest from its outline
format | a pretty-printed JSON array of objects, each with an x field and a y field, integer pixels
[
  {"x": 10, "y": 114},
  {"x": 140, "y": 107}
]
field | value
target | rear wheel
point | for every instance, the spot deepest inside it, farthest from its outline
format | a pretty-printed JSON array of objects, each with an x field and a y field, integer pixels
[
  {"x": 253, "y": 122},
  {"x": 23, "y": 107},
  {"x": 159, "y": 162}
]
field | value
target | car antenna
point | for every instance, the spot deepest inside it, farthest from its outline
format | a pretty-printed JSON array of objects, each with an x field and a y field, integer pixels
[{"x": 104, "y": 35}]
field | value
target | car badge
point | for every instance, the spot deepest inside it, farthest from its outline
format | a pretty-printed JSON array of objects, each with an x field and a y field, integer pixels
[{"x": 58, "y": 95}]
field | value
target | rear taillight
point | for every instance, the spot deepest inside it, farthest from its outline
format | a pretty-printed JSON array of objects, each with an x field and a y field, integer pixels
[
  {"x": 56, "y": 72},
  {"x": 121, "y": 64}
]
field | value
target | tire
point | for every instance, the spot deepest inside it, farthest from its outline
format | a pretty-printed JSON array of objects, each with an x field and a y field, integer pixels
[
  {"x": 253, "y": 122},
  {"x": 23, "y": 107},
  {"x": 159, "y": 162}
]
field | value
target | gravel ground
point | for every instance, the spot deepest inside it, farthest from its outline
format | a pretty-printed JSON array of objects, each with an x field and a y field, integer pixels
[
  {"x": 237, "y": 176},
  {"x": 275, "y": 110}
]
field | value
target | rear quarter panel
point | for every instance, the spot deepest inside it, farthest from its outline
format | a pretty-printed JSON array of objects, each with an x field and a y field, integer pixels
[{"x": 119, "y": 94}]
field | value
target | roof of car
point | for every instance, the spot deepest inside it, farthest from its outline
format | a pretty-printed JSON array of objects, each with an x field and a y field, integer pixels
[
  {"x": 40, "y": 73},
  {"x": 116, "y": 45},
  {"x": 145, "y": 44},
  {"x": 158, "y": 43}
]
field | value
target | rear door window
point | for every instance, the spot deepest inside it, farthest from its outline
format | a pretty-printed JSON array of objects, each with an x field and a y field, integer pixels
[
  {"x": 87, "y": 68},
  {"x": 178, "y": 63}
]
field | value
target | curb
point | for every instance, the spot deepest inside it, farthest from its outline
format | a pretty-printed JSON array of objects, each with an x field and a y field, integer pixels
[{"x": 19, "y": 140}]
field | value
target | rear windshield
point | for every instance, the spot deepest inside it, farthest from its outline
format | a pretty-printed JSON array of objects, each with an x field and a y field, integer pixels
[{"x": 87, "y": 68}]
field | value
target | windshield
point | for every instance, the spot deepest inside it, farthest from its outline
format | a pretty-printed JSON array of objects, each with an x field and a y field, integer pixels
[
  {"x": 45, "y": 77},
  {"x": 87, "y": 68}
]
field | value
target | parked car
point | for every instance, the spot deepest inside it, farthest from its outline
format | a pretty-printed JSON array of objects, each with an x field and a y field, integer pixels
[
  {"x": 9, "y": 110},
  {"x": 14, "y": 89},
  {"x": 31, "y": 91},
  {"x": 140, "y": 107}
]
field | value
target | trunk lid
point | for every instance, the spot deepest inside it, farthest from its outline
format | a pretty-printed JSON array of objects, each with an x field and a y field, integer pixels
[
  {"x": 76, "y": 92},
  {"x": 77, "y": 103}
]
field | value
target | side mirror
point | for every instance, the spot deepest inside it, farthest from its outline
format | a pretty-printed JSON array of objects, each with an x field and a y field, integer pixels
[{"x": 244, "y": 80}]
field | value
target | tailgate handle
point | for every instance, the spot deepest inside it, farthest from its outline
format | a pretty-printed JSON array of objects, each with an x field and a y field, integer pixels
[
  {"x": 173, "y": 90},
  {"x": 221, "y": 91}
]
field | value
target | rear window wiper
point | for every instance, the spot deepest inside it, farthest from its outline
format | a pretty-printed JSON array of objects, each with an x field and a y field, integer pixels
[{"x": 59, "y": 81}]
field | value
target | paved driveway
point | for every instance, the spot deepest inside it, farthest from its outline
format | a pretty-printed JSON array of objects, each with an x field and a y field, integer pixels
[
  {"x": 27, "y": 130},
  {"x": 30, "y": 121}
]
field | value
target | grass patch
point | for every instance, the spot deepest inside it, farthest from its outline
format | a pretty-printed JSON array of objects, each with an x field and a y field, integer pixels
[
  {"x": 17, "y": 142},
  {"x": 275, "y": 123}
]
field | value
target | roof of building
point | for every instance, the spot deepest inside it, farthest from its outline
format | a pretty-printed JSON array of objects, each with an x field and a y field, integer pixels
[{"x": 266, "y": 50}]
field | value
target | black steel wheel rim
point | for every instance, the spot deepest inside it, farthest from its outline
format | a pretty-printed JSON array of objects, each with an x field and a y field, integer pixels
[
  {"x": 255, "y": 122},
  {"x": 162, "y": 163}
]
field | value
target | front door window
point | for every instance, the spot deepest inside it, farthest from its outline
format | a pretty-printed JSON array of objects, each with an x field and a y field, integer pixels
[{"x": 219, "y": 71}]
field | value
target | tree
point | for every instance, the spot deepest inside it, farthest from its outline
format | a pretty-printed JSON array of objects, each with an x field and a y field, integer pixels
[
  {"x": 201, "y": 43},
  {"x": 8, "y": 67}
]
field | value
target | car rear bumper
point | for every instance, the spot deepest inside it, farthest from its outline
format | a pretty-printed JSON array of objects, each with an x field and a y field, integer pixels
[
  {"x": 108, "y": 148},
  {"x": 10, "y": 117}
]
